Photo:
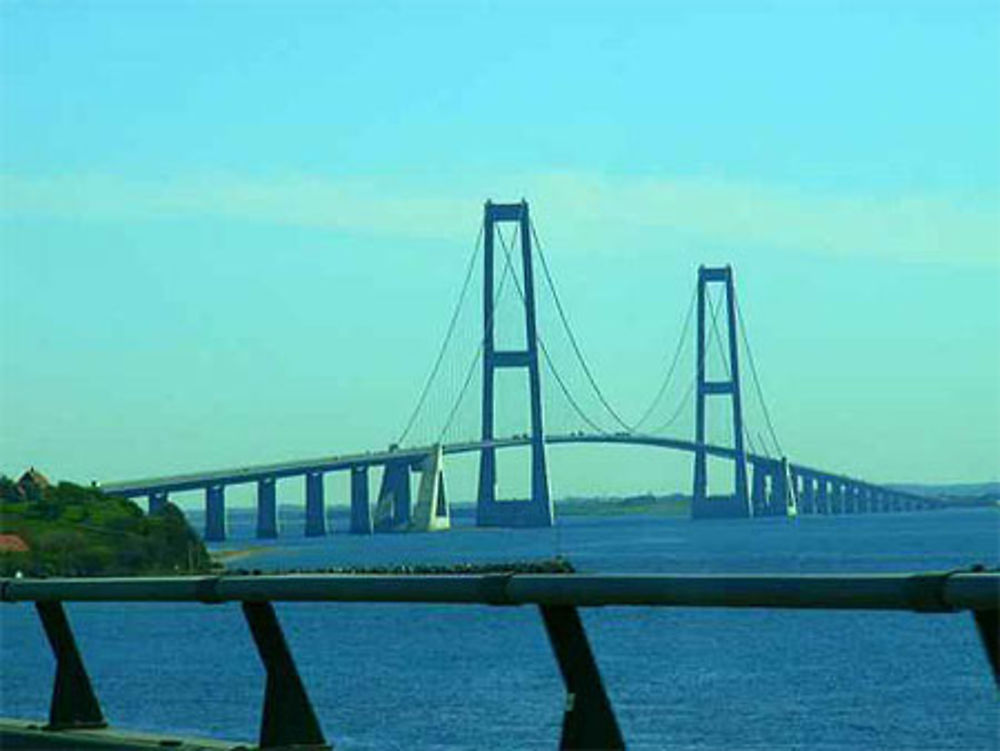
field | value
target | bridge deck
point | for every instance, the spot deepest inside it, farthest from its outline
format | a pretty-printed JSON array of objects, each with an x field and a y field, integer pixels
[{"x": 332, "y": 463}]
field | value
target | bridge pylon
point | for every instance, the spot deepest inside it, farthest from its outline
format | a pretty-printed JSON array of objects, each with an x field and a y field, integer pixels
[
  {"x": 738, "y": 504},
  {"x": 536, "y": 511}
]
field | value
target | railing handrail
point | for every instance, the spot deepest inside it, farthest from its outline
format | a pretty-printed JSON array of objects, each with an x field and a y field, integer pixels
[
  {"x": 288, "y": 718},
  {"x": 946, "y": 591}
]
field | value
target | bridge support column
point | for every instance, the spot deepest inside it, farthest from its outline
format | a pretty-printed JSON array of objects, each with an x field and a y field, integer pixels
[
  {"x": 215, "y": 513},
  {"x": 836, "y": 496},
  {"x": 392, "y": 509},
  {"x": 431, "y": 514},
  {"x": 787, "y": 495},
  {"x": 822, "y": 495},
  {"x": 157, "y": 502},
  {"x": 865, "y": 501},
  {"x": 315, "y": 505},
  {"x": 738, "y": 504},
  {"x": 779, "y": 492},
  {"x": 796, "y": 483},
  {"x": 758, "y": 492},
  {"x": 880, "y": 501},
  {"x": 807, "y": 498},
  {"x": 361, "y": 512},
  {"x": 536, "y": 511},
  {"x": 851, "y": 498},
  {"x": 267, "y": 510}
]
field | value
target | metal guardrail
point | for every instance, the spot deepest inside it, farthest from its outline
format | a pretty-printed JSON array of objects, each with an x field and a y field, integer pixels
[{"x": 588, "y": 721}]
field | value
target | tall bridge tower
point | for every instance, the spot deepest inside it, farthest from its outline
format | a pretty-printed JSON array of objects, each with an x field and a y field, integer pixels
[
  {"x": 738, "y": 504},
  {"x": 536, "y": 511}
]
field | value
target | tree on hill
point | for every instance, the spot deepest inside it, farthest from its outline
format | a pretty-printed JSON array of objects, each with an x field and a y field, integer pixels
[{"x": 76, "y": 531}]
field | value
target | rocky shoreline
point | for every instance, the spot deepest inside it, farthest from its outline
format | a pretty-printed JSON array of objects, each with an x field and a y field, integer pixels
[{"x": 557, "y": 565}]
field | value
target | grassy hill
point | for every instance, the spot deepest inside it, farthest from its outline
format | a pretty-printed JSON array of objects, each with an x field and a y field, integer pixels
[{"x": 76, "y": 531}]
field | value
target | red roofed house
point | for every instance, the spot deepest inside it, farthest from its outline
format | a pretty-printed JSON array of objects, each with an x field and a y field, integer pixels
[{"x": 12, "y": 544}]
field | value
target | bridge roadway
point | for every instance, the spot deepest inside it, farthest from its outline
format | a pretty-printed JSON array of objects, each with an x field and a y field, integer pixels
[
  {"x": 254, "y": 473},
  {"x": 414, "y": 456}
]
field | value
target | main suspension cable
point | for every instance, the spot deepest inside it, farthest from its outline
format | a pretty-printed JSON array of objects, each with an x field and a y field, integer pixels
[
  {"x": 756, "y": 380},
  {"x": 447, "y": 339},
  {"x": 479, "y": 350},
  {"x": 673, "y": 365},
  {"x": 545, "y": 353},
  {"x": 572, "y": 337},
  {"x": 678, "y": 411}
]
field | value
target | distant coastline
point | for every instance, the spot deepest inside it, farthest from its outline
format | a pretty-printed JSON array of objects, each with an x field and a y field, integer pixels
[{"x": 679, "y": 504}]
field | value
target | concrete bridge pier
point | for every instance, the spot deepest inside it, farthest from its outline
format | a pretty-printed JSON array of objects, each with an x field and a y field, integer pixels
[
  {"x": 822, "y": 495},
  {"x": 866, "y": 498},
  {"x": 836, "y": 496},
  {"x": 807, "y": 492},
  {"x": 315, "y": 505},
  {"x": 778, "y": 500},
  {"x": 267, "y": 510},
  {"x": 392, "y": 508},
  {"x": 432, "y": 514},
  {"x": 758, "y": 490},
  {"x": 789, "y": 497},
  {"x": 864, "y": 507},
  {"x": 157, "y": 502},
  {"x": 879, "y": 501},
  {"x": 850, "y": 498},
  {"x": 361, "y": 511},
  {"x": 215, "y": 513}
]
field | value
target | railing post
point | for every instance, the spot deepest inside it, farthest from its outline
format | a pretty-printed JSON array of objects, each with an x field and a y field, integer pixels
[
  {"x": 988, "y": 623},
  {"x": 288, "y": 718},
  {"x": 589, "y": 720},
  {"x": 74, "y": 704}
]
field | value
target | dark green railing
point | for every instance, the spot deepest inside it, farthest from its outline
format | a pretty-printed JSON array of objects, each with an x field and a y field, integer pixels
[{"x": 589, "y": 719}]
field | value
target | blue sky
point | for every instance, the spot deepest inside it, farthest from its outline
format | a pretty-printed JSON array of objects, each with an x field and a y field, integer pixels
[{"x": 233, "y": 232}]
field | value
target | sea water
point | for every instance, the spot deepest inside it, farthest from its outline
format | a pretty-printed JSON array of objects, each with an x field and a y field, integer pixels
[{"x": 457, "y": 677}]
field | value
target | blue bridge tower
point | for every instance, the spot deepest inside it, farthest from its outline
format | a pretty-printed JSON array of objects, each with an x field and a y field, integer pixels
[
  {"x": 736, "y": 505},
  {"x": 536, "y": 511}
]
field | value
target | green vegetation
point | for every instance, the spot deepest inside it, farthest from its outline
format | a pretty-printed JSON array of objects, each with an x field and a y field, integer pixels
[
  {"x": 75, "y": 531},
  {"x": 672, "y": 505}
]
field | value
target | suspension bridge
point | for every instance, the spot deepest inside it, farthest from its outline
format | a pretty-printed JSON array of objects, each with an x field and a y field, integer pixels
[{"x": 507, "y": 338}]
